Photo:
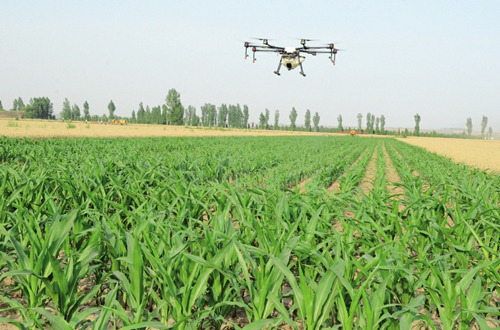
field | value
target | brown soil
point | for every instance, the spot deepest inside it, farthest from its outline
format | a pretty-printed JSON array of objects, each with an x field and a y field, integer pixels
[
  {"x": 367, "y": 183},
  {"x": 11, "y": 115},
  {"x": 302, "y": 186},
  {"x": 392, "y": 176}
]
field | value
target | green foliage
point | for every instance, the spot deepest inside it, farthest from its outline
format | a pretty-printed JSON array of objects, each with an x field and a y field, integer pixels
[
  {"x": 111, "y": 109},
  {"x": 360, "y": 118},
  {"x": 66, "y": 110},
  {"x": 293, "y": 118},
  {"x": 86, "y": 111},
  {"x": 307, "y": 120},
  {"x": 262, "y": 121},
  {"x": 175, "y": 110},
  {"x": 222, "y": 119},
  {"x": 75, "y": 112},
  {"x": 246, "y": 115},
  {"x": 18, "y": 104},
  {"x": 339, "y": 126},
  {"x": 11, "y": 123},
  {"x": 70, "y": 125},
  {"x": 39, "y": 107},
  {"x": 276, "y": 119},
  {"x": 382, "y": 124},
  {"x": 484, "y": 123},
  {"x": 417, "y": 125},
  {"x": 369, "y": 122},
  {"x": 469, "y": 126},
  {"x": 189, "y": 231},
  {"x": 316, "y": 121}
]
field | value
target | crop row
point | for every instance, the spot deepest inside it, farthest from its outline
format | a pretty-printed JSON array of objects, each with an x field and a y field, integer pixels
[{"x": 196, "y": 233}]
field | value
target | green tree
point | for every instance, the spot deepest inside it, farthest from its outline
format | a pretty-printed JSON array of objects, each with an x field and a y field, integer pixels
[
  {"x": 490, "y": 132},
  {"x": 75, "y": 112},
  {"x": 164, "y": 114},
  {"x": 132, "y": 118},
  {"x": 307, "y": 120},
  {"x": 141, "y": 114},
  {"x": 339, "y": 119},
  {"x": 188, "y": 115},
  {"x": 417, "y": 124},
  {"x": 195, "y": 121},
  {"x": 262, "y": 121},
  {"x": 156, "y": 115},
  {"x": 268, "y": 115},
  {"x": 66, "y": 110},
  {"x": 484, "y": 123},
  {"x": 469, "y": 126},
  {"x": 234, "y": 116},
  {"x": 293, "y": 118},
  {"x": 148, "y": 115},
  {"x": 377, "y": 122},
  {"x": 238, "y": 120},
  {"x": 221, "y": 122},
  {"x": 205, "y": 109},
  {"x": 276, "y": 119},
  {"x": 369, "y": 126},
  {"x": 360, "y": 119},
  {"x": 212, "y": 115},
  {"x": 20, "y": 104},
  {"x": 39, "y": 107},
  {"x": 1, "y": 106},
  {"x": 382, "y": 124},
  {"x": 111, "y": 108},
  {"x": 316, "y": 121},
  {"x": 86, "y": 111},
  {"x": 246, "y": 115},
  {"x": 175, "y": 110}
]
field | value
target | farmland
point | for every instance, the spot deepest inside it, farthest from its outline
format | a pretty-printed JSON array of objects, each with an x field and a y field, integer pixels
[
  {"x": 484, "y": 154},
  {"x": 288, "y": 232},
  {"x": 57, "y": 129}
]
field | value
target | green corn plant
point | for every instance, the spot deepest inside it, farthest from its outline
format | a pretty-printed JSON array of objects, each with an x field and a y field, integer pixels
[
  {"x": 444, "y": 291},
  {"x": 261, "y": 278},
  {"x": 32, "y": 267},
  {"x": 313, "y": 300}
]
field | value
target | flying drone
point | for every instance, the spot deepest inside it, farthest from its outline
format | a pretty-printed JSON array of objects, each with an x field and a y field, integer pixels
[{"x": 291, "y": 56}]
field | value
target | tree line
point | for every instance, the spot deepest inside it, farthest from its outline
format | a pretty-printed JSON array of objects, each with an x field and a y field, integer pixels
[
  {"x": 38, "y": 107},
  {"x": 232, "y": 116}
]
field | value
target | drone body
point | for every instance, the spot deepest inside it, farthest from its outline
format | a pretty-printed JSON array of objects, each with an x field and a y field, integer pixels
[{"x": 291, "y": 56}]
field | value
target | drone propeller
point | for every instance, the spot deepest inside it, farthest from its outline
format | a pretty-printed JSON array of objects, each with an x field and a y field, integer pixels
[
  {"x": 303, "y": 41},
  {"x": 265, "y": 41}
]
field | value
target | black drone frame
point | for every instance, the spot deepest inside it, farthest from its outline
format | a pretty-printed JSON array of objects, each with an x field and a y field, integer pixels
[{"x": 328, "y": 49}]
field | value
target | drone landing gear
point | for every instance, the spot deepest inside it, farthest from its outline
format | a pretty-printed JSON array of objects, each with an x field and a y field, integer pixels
[
  {"x": 278, "y": 71},
  {"x": 302, "y": 70}
]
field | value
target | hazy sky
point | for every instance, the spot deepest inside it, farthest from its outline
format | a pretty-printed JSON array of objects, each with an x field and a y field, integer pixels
[{"x": 438, "y": 58}]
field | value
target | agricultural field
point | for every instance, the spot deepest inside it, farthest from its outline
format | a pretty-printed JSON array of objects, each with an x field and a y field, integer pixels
[
  {"x": 38, "y": 128},
  {"x": 276, "y": 232},
  {"x": 483, "y": 154}
]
